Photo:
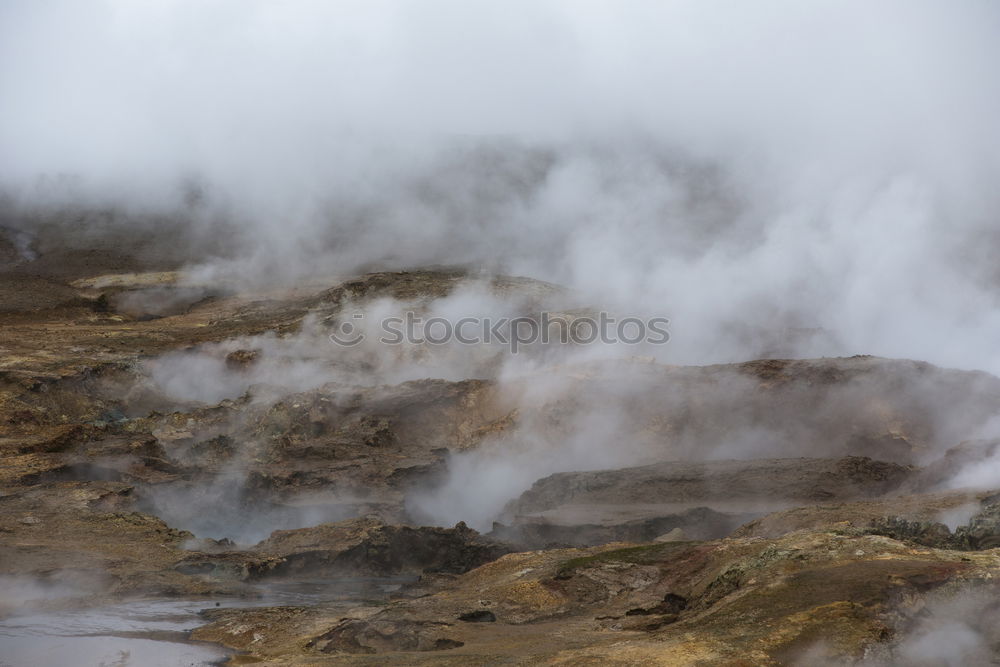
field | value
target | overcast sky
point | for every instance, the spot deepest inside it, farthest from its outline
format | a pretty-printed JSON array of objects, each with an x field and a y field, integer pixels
[{"x": 110, "y": 86}]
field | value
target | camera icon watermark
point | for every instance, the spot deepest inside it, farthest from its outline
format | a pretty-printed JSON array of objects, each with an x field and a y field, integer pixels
[{"x": 514, "y": 333}]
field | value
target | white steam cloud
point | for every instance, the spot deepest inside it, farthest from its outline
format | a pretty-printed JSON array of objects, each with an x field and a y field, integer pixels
[{"x": 744, "y": 169}]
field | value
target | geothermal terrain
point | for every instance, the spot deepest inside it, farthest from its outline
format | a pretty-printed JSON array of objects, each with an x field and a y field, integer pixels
[
  {"x": 192, "y": 471},
  {"x": 262, "y": 401}
]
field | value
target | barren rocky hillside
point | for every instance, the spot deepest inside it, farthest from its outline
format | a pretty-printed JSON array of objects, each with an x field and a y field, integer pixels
[{"x": 223, "y": 448}]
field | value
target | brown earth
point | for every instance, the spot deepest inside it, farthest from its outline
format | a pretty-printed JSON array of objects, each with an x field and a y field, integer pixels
[{"x": 764, "y": 558}]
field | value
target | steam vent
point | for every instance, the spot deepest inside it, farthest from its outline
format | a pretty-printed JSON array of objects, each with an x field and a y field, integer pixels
[{"x": 464, "y": 332}]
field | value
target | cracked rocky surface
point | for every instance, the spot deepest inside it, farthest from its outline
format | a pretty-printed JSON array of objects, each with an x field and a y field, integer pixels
[{"x": 827, "y": 538}]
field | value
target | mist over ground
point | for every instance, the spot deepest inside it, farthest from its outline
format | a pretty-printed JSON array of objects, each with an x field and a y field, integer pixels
[
  {"x": 741, "y": 170},
  {"x": 200, "y": 202}
]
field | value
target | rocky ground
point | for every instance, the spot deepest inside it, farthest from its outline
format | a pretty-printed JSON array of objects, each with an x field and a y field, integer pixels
[{"x": 161, "y": 436}]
